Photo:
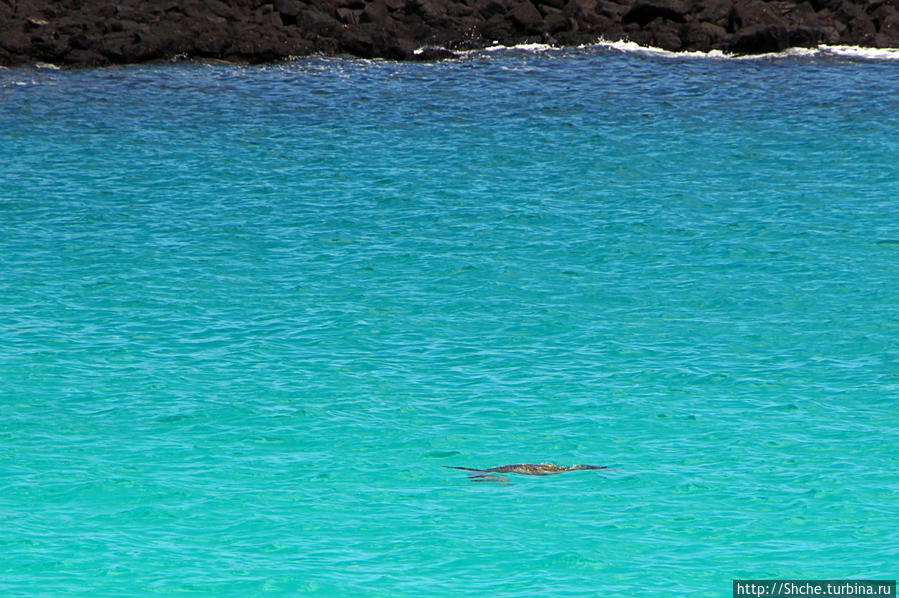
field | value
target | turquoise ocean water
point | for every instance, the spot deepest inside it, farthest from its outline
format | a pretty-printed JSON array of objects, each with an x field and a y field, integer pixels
[{"x": 247, "y": 314}]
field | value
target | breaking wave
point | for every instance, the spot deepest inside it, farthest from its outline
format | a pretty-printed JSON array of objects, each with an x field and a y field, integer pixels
[{"x": 823, "y": 51}]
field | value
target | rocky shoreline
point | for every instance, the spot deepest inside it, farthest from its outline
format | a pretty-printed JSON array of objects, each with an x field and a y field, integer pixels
[{"x": 85, "y": 33}]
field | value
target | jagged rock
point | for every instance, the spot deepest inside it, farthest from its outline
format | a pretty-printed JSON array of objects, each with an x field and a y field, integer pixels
[
  {"x": 357, "y": 41},
  {"x": 848, "y": 12},
  {"x": 882, "y": 9},
  {"x": 497, "y": 29},
  {"x": 807, "y": 37},
  {"x": 317, "y": 23},
  {"x": 493, "y": 8},
  {"x": 701, "y": 37},
  {"x": 612, "y": 10},
  {"x": 428, "y": 9},
  {"x": 375, "y": 12},
  {"x": 889, "y": 27},
  {"x": 526, "y": 18},
  {"x": 583, "y": 12},
  {"x": 16, "y": 43},
  {"x": 830, "y": 5},
  {"x": 750, "y": 14},
  {"x": 557, "y": 4},
  {"x": 460, "y": 10},
  {"x": 219, "y": 8},
  {"x": 861, "y": 32},
  {"x": 714, "y": 11},
  {"x": 289, "y": 10},
  {"x": 665, "y": 34},
  {"x": 644, "y": 12},
  {"x": 92, "y": 32},
  {"x": 554, "y": 19},
  {"x": 760, "y": 39},
  {"x": 349, "y": 16},
  {"x": 802, "y": 13}
]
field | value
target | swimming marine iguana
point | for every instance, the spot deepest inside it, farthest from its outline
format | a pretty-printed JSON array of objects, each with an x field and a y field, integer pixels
[{"x": 523, "y": 468}]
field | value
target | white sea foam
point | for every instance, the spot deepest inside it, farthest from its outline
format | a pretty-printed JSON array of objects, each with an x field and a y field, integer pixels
[
  {"x": 635, "y": 48},
  {"x": 849, "y": 52},
  {"x": 522, "y": 47},
  {"x": 853, "y": 52},
  {"x": 496, "y": 47},
  {"x": 858, "y": 52}
]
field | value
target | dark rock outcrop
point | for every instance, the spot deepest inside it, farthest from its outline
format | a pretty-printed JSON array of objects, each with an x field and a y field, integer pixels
[{"x": 102, "y": 32}]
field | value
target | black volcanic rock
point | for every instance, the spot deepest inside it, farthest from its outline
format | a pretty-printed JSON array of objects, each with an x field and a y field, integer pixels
[
  {"x": 643, "y": 12},
  {"x": 526, "y": 18},
  {"x": 102, "y": 32},
  {"x": 760, "y": 39},
  {"x": 698, "y": 35}
]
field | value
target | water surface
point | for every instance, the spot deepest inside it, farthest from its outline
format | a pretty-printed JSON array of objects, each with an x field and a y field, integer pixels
[{"x": 248, "y": 313}]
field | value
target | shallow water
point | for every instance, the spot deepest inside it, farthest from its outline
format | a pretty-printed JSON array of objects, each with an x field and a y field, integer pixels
[{"x": 248, "y": 313}]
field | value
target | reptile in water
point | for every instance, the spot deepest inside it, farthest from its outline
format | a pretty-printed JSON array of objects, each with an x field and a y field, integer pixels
[{"x": 488, "y": 474}]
